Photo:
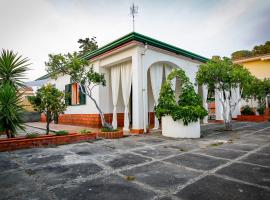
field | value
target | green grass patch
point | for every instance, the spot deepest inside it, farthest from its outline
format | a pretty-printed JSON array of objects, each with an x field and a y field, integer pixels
[
  {"x": 62, "y": 132},
  {"x": 183, "y": 150},
  {"x": 130, "y": 178},
  {"x": 215, "y": 144},
  {"x": 31, "y": 135},
  {"x": 105, "y": 129},
  {"x": 85, "y": 131}
]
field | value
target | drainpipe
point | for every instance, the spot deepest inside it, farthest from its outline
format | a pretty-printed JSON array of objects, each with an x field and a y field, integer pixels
[{"x": 144, "y": 88}]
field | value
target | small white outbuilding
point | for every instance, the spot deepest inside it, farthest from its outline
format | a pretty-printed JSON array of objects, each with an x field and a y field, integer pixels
[{"x": 135, "y": 67}]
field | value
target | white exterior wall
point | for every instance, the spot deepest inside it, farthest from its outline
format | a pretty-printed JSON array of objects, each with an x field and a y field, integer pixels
[
  {"x": 105, "y": 94},
  {"x": 142, "y": 98},
  {"x": 152, "y": 56},
  {"x": 88, "y": 108}
]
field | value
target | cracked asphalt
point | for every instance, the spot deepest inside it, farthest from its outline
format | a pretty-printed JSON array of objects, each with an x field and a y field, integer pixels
[{"x": 220, "y": 166}]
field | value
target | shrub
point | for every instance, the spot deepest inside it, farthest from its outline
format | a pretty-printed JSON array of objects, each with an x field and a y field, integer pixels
[
  {"x": 85, "y": 131},
  {"x": 189, "y": 107},
  {"x": 31, "y": 135},
  {"x": 50, "y": 101},
  {"x": 106, "y": 129},
  {"x": 260, "y": 110},
  {"x": 62, "y": 132},
  {"x": 246, "y": 110}
]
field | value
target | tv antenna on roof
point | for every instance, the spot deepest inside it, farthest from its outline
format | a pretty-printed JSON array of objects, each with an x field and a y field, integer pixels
[{"x": 133, "y": 12}]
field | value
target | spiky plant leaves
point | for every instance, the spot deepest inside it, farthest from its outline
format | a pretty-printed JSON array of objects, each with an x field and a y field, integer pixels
[
  {"x": 10, "y": 110},
  {"x": 12, "y": 68}
]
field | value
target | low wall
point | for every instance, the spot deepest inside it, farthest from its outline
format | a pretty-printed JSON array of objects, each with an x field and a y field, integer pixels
[
  {"x": 111, "y": 135},
  {"x": 91, "y": 120},
  {"x": 31, "y": 117},
  {"x": 43, "y": 141},
  {"x": 252, "y": 118}
]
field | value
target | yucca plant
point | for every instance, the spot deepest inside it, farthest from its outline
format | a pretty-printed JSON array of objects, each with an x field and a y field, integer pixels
[
  {"x": 10, "y": 110},
  {"x": 12, "y": 68},
  {"x": 12, "y": 74}
]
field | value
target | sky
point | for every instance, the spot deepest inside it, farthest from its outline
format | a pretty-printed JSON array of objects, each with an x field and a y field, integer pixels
[{"x": 36, "y": 28}]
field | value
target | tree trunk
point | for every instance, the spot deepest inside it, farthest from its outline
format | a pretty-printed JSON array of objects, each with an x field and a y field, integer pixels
[
  {"x": 228, "y": 125},
  {"x": 48, "y": 120},
  {"x": 8, "y": 134},
  {"x": 103, "y": 121},
  {"x": 227, "y": 114},
  {"x": 55, "y": 118}
]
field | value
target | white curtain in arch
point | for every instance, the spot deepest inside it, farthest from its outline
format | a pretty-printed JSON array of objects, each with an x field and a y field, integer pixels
[
  {"x": 115, "y": 80},
  {"x": 156, "y": 73},
  {"x": 168, "y": 70},
  {"x": 126, "y": 78}
]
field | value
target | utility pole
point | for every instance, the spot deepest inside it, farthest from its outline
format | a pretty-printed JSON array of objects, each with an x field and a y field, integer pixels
[{"x": 133, "y": 12}]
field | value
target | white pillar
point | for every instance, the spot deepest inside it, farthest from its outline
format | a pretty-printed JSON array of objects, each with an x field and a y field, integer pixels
[
  {"x": 205, "y": 104},
  {"x": 145, "y": 94},
  {"x": 218, "y": 106},
  {"x": 137, "y": 90}
]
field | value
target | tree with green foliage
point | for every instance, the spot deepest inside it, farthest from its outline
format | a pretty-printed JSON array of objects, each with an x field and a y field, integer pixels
[
  {"x": 224, "y": 77},
  {"x": 189, "y": 106},
  {"x": 256, "y": 51},
  {"x": 87, "y": 45},
  {"x": 241, "y": 54},
  {"x": 12, "y": 68},
  {"x": 262, "y": 49},
  {"x": 49, "y": 101},
  {"x": 10, "y": 110},
  {"x": 258, "y": 90},
  {"x": 80, "y": 73}
]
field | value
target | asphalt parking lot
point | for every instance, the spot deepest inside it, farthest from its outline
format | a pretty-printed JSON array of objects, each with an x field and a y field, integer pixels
[{"x": 220, "y": 165}]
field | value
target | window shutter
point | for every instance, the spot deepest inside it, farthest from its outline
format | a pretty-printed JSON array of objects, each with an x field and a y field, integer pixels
[
  {"x": 68, "y": 94},
  {"x": 82, "y": 95}
]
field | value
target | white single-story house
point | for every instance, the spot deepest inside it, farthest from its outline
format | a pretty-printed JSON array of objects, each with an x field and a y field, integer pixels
[{"x": 135, "y": 67}]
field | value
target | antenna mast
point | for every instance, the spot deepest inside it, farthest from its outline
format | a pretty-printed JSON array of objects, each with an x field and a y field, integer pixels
[{"x": 133, "y": 12}]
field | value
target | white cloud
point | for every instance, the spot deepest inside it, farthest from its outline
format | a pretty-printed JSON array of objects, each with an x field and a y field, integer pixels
[{"x": 36, "y": 28}]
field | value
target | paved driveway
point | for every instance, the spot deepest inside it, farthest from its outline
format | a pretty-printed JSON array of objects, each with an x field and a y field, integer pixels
[{"x": 219, "y": 166}]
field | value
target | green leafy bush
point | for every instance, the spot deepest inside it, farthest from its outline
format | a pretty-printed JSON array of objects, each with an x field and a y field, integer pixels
[
  {"x": 85, "y": 131},
  {"x": 107, "y": 129},
  {"x": 189, "y": 107},
  {"x": 246, "y": 110},
  {"x": 62, "y": 132},
  {"x": 31, "y": 135},
  {"x": 49, "y": 101},
  {"x": 260, "y": 110}
]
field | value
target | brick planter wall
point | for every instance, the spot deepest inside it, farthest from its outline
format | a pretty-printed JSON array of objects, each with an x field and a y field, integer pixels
[
  {"x": 252, "y": 118},
  {"x": 45, "y": 140},
  {"x": 111, "y": 135},
  {"x": 92, "y": 120},
  {"x": 137, "y": 131}
]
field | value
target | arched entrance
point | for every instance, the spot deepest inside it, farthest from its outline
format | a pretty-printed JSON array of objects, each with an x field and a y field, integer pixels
[{"x": 156, "y": 75}]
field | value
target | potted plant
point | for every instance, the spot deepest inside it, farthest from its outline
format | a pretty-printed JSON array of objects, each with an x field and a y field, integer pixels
[
  {"x": 180, "y": 119},
  {"x": 108, "y": 133}
]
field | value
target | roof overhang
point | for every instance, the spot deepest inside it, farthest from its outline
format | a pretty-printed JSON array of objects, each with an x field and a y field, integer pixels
[
  {"x": 265, "y": 57},
  {"x": 133, "y": 37}
]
